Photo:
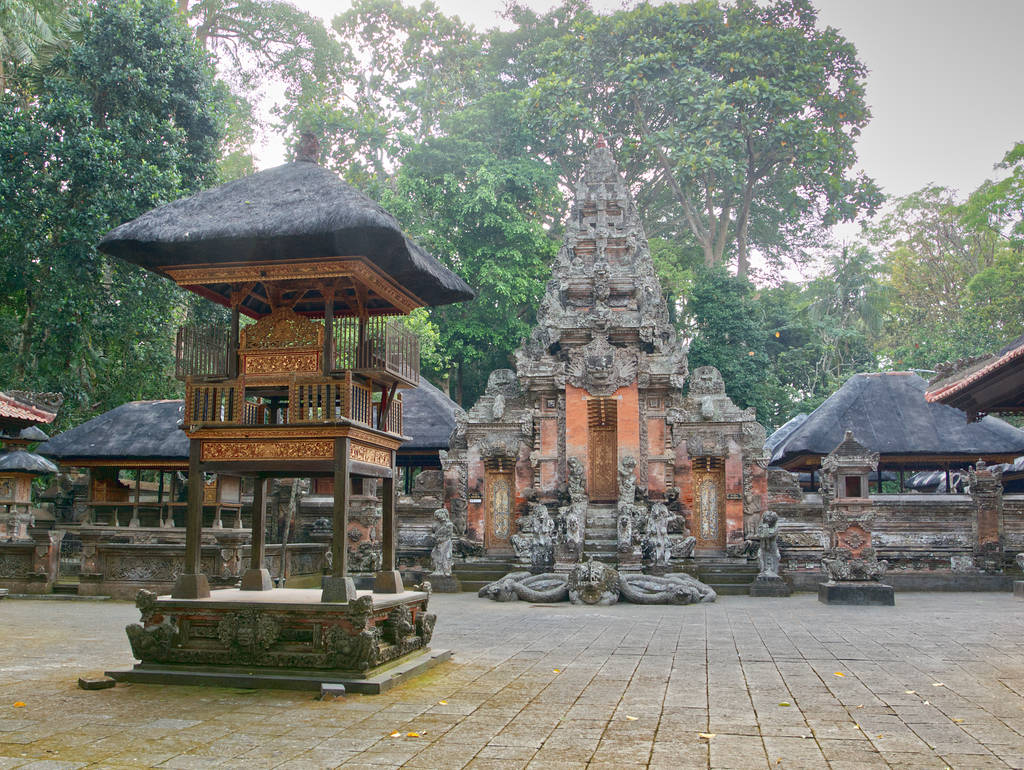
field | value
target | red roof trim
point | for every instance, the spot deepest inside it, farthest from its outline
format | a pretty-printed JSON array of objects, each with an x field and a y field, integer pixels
[
  {"x": 14, "y": 409},
  {"x": 955, "y": 387}
]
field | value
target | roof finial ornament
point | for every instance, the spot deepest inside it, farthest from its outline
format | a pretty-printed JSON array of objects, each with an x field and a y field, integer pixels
[
  {"x": 601, "y": 142},
  {"x": 308, "y": 149}
]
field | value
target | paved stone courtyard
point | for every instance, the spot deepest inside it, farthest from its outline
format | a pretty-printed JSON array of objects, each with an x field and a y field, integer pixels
[{"x": 937, "y": 681}]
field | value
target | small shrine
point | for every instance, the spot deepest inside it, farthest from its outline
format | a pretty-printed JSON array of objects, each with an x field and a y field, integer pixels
[
  {"x": 310, "y": 388},
  {"x": 593, "y": 446},
  {"x": 29, "y": 548},
  {"x": 854, "y": 572}
]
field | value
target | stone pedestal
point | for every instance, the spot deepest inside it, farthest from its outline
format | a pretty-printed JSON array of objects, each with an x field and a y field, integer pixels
[
  {"x": 388, "y": 581},
  {"x": 444, "y": 584},
  {"x": 1018, "y": 589},
  {"x": 769, "y": 585},
  {"x": 856, "y": 592},
  {"x": 256, "y": 580},
  {"x": 337, "y": 589}
]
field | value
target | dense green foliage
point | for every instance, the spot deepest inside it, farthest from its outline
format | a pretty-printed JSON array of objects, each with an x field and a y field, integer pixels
[
  {"x": 734, "y": 123},
  {"x": 126, "y": 124}
]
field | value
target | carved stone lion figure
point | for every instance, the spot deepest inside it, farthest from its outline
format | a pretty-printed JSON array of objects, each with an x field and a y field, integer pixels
[{"x": 593, "y": 583}]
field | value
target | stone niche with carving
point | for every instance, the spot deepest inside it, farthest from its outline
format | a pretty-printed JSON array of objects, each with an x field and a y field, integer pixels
[{"x": 603, "y": 377}]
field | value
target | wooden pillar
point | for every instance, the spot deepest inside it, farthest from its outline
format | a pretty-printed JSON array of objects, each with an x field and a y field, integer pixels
[
  {"x": 389, "y": 579},
  {"x": 192, "y": 583},
  {"x": 134, "y": 522},
  {"x": 338, "y": 586},
  {"x": 328, "y": 352},
  {"x": 257, "y": 577},
  {"x": 233, "y": 342}
]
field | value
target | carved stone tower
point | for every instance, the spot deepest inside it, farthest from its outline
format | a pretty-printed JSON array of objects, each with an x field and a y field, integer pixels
[{"x": 600, "y": 380}]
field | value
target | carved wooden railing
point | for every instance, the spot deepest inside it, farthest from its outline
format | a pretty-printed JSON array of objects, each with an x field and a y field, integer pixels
[
  {"x": 318, "y": 401},
  {"x": 201, "y": 353},
  {"x": 381, "y": 345}
]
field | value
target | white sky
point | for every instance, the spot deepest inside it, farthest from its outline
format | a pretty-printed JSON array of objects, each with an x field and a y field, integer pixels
[{"x": 944, "y": 85}]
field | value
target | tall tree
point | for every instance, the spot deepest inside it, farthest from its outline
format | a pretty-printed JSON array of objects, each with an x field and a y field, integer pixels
[
  {"x": 124, "y": 122},
  {"x": 482, "y": 215},
  {"x": 739, "y": 119}
]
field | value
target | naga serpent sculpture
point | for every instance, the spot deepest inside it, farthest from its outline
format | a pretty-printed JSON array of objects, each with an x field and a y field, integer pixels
[
  {"x": 548, "y": 587},
  {"x": 596, "y": 583}
]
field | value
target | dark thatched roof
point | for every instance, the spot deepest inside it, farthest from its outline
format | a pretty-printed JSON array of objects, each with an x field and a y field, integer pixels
[
  {"x": 21, "y": 461},
  {"x": 784, "y": 431},
  {"x": 428, "y": 417},
  {"x": 138, "y": 430},
  {"x": 888, "y": 414},
  {"x": 295, "y": 211},
  {"x": 148, "y": 430}
]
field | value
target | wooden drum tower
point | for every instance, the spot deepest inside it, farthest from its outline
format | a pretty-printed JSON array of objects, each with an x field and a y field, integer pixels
[{"x": 311, "y": 387}]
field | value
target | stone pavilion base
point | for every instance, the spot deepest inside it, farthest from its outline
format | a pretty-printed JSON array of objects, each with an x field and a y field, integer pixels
[
  {"x": 444, "y": 584},
  {"x": 856, "y": 592},
  {"x": 1018, "y": 589},
  {"x": 765, "y": 585},
  {"x": 284, "y": 638}
]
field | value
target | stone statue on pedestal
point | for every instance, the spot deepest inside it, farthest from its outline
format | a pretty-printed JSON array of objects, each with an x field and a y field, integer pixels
[
  {"x": 443, "y": 533},
  {"x": 768, "y": 581}
]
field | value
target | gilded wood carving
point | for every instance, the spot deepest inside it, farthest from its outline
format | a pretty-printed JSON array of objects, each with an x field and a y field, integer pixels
[
  {"x": 275, "y": 449},
  {"x": 369, "y": 454},
  {"x": 282, "y": 329}
]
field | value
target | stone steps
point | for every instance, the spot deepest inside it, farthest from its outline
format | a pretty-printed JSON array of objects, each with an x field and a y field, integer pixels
[{"x": 475, "y": 575}]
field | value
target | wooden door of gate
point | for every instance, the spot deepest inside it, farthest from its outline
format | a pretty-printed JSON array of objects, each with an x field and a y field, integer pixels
[
  {"x": 498, "y": 507},
  {"x": 709, "y": 502},
  {"x": 603, "y": 450}
]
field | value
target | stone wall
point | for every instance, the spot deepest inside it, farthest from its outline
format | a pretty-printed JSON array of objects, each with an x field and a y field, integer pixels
[
  {"x": 30, "y": 566},
  {"x": 930, "y": 541},
  {"x": 121, "y": 569}
]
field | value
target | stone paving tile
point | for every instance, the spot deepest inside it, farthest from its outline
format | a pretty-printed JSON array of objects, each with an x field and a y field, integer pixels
[{"x": 936, "y": 683}]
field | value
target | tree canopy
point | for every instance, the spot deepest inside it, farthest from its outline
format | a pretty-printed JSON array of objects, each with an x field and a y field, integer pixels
[{"x": 106, "y": 138}]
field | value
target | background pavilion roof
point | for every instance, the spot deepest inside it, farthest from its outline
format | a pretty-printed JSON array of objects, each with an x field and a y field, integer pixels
[
  {"x": 295, "y": 211},
  {"x": 428, "y": 417},
  {"x": 138, "y": 430},
  {"x": 20, "y": 461},
  {"x": 888, "y": 414}
]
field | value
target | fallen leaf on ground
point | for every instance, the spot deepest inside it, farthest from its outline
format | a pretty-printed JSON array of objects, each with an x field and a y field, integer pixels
[
  {"x": 19, "y": 704},
  {"x": 839, "y": 673},
  {"x": 860, "y": 707},
  {"x": 706, "y": 736},
  {"x": 938, "y": 684},
  {"x": 557, "y": 670},
  {"x": 879, "y": 735},
  {"x": 785, "y": 703},
  {"x": 396, "y": 734},
  {"x": 910, "y": 692},
  {"x": 958, "y": 721},
  {"x": 632, "y": 719},
  {"x": 443, "y": 702},
  {"x": 412, "y": 735}
]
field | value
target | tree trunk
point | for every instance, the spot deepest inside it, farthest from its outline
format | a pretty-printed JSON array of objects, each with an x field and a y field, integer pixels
[
  {"x": 458, "y": 384},
  {"x": 25, "y": 344},
  {"x": 289, "y": 517}
]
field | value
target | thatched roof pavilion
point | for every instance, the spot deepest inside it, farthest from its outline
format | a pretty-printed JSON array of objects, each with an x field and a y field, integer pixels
[
  {"x": 297, "y": 212},
  {"x": 132, "y": 435},
  {"x": 993, "y": 383},
  {"x": 889, "y": 414}
]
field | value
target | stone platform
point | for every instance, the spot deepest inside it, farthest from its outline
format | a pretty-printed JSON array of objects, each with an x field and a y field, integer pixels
[
  {"x": 864, "y": 593},
  {"x": 283, "y": 638},
  {"x": 764, "y": 585}
]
